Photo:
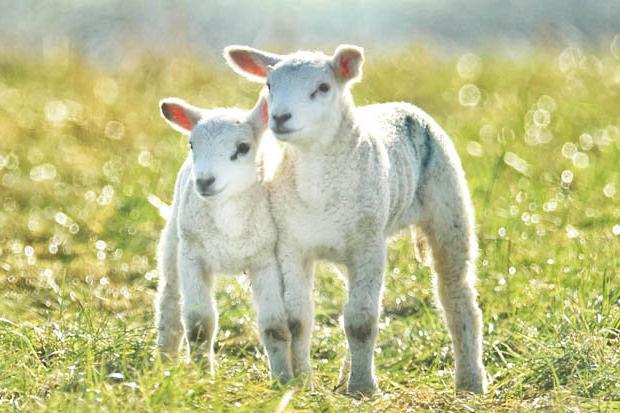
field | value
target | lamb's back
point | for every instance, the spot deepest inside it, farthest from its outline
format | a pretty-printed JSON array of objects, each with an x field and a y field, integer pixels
[{"x": 406, "y": 132}]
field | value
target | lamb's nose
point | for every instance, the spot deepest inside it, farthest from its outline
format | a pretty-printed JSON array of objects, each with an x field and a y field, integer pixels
[
  {"x": 204, "y": 183},
  {"x": 280, "y": 119}
]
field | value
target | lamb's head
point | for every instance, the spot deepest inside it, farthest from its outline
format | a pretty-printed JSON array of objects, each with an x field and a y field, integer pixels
[
  {"x": 308, "y": 91},
  {"x": 223, "y": 144}
]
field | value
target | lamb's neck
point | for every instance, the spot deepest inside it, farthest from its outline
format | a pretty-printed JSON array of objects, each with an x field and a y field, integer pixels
[
  {"x": 312, "y": 168},
  {"x": 230, "y": 216},
  {"x": 342, "y": 143},
  {"x": 248, "y": 200}
]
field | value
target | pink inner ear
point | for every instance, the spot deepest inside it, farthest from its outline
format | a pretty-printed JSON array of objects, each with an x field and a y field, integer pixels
[
  {"x": 345, "y": 70},
  {"x": 264, "y": 113},
  {"x": 248, "y": 64},
  {"x": 179, "y": 117}
]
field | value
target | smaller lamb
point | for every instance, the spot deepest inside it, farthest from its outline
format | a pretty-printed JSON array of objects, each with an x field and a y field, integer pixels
[{"x": 220, "y": 223}]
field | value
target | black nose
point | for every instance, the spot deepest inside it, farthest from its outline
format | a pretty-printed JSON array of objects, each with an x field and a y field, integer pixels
[
  {"x": 203, "y": 184},
  {"x": 280, "y": 119}
]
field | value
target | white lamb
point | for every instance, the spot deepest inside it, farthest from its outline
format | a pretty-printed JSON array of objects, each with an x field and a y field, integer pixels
[
  {"x": 351, "y": 177},
  {"x": 220, "y": 223}
]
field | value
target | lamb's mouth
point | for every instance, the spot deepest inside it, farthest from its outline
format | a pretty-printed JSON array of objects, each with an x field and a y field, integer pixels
[
  {"x": 281, "y": 131},
  {"x": 208, "y": 194}
]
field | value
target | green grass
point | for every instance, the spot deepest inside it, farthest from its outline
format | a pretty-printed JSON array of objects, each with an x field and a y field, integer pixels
[{"x": 82, "y": 151}]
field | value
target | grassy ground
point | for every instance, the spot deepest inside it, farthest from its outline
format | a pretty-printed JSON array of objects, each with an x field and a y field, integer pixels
[{"x": 85, "y": 158}]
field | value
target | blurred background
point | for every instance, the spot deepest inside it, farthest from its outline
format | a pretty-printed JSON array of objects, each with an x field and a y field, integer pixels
[
  {"x": 107, "y": 31},
  {"x": 528, "y": 90}
]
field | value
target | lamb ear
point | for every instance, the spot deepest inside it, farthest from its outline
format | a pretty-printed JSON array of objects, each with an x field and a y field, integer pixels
[
  {"x": 347, "y": 63},
  {"x": 179, "y": 114},
  {"x": 251, "y": 63},
  {"x": 259, "y": 115}
]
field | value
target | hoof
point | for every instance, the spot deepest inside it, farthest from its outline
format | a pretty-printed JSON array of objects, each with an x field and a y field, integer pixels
[
  {"x": 204, "y": 361},
  {"x": 306, "y": 381},
  {"x": 167, "y": 356},
  {"x": 359, "y": 390},
  {"x": 476, "y": 383},
  {"x": 281, "y": 378}
]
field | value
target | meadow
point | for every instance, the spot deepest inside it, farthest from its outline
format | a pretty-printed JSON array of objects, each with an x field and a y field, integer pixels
[{"x": 87, "y": 165}]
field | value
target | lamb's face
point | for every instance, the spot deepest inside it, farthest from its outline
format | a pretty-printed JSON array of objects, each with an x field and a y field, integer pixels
[
  {"x": 222, "y": 152},
  {"x": 305, "y": 99},
  {"x": 307, "y": 91},
  {"x": 223, "y": 145}
]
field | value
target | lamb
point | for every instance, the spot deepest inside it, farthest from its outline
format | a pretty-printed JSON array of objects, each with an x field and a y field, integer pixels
[
  {"x": 220, "y": 222},
  {"x": 350, "y": 178}
]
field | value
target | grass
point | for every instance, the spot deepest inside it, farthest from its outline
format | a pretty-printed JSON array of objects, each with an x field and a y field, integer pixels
[{"x": 84, "y": 157}]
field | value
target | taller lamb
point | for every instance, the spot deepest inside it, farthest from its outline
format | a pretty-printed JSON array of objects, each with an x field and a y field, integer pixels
[{"x": 350, "y": 177}]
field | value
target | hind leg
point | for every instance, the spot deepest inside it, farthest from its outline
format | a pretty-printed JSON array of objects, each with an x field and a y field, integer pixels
[
  {"x": 199, "y": 310},
  {"x": 449, "y": 232}
]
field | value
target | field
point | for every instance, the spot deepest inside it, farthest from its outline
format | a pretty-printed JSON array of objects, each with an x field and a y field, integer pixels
[{"x": 86, "y": 163}]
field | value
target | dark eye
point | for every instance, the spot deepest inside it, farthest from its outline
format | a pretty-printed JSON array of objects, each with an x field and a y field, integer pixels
[
  {"x": 243, "y": 148},
  {"x": 190, "y": 145},
  {"x": 268, "y": 85},
  {"x": 323, "y": 88}
]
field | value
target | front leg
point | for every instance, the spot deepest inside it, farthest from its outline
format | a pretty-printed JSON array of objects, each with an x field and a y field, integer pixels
[
  {"x": 272, "y": 320},
  {"x": 199, "y": 310},
  {"x": 361, "y": 313},
  {"x": 297, "y": 276},
  {"x": 168, "y": 302}
]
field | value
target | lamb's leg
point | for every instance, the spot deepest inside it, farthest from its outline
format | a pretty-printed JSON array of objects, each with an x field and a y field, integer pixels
[
  {"x": 361, "y": 313},
  {"x": 297, "y": 278},
  {"x": 199, "y": 310},
  {"x": 449, "y": 231},
  {"x": 273, "y": 321},
  {"x": 168, "y": 301}
]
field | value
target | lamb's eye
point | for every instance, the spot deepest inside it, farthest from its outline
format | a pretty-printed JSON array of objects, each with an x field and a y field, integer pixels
[
  {"x": 323, "y": 88},
  {"x": 243, "y": 148},
  {"x": 191, "y": 146},
  {"x": 268, "y": 86}
]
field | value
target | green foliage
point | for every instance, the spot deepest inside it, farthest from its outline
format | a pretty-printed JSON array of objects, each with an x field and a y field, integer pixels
[{"x": 85, "y": 159}]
